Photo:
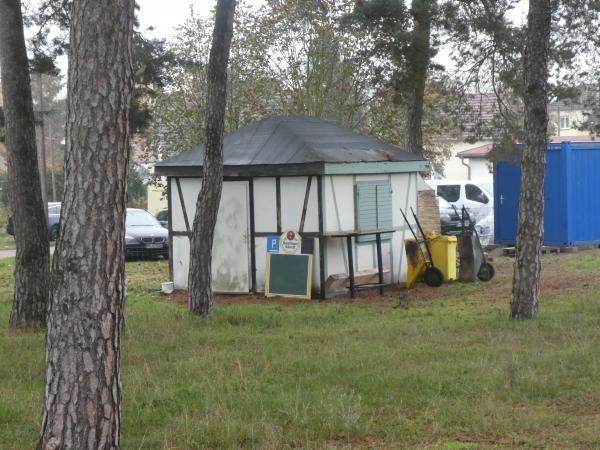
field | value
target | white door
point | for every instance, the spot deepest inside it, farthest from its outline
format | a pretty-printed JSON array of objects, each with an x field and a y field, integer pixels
[{"x": 231, "y": 246}]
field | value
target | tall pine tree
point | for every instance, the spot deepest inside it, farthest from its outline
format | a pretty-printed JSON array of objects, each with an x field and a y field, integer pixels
[
  {"x": 530, "y": 232},
  {"x": 207, "y": 206},
  {"x": 30, "y": 298},
  {"x": 82, "y": 407}
]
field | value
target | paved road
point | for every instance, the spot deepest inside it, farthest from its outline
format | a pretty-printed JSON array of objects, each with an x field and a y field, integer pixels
[{"x": 10, "y": 253}]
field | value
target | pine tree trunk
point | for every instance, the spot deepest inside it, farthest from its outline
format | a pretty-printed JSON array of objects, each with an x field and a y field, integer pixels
[
  {"x": 30, "y": 219},
  {"x": 207, "y": 206},
  {"x": 530, "y": 233},
  {"x": 413, "y": 141},
  {"x": 82, "y": 408},
  {"x": 418, "y": 57}
]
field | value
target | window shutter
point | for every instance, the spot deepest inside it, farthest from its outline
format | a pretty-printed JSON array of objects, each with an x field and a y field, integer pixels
[{"x": 373, "y": 207}]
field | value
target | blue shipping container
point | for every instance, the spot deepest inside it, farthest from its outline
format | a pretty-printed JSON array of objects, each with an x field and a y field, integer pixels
[{"x": 571, "y": 192}]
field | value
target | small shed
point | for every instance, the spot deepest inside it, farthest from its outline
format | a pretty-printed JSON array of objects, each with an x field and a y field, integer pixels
[
  {"x": 302, "y": 173},
  {"x": 572, "y": 203}
]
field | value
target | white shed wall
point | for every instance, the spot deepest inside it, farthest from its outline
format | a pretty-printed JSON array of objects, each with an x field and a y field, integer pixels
[
  {"x": 339, "y": 214},
  {"x": 231, "y": 246},
  {"x": 480, "y": 170},
  {"x": 265, "y": 203},
  {"x": 404, "y": 196},
  {"x": 293, "y": 190}
]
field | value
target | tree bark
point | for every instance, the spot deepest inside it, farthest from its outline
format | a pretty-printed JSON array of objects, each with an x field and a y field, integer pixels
[
  {"x": 30, "y": 298},
  {"x": 207, "y": 206},
  {"x": 82, "y": 408},
  {"x": 530, "y": 233},
  {"x": 418, "y": 58}
]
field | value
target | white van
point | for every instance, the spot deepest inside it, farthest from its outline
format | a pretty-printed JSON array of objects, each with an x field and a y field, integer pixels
[{"x": 470, "y": 194}]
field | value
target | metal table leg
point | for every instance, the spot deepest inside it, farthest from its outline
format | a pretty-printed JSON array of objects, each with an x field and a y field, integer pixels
[{"x": 350, "y": 266}]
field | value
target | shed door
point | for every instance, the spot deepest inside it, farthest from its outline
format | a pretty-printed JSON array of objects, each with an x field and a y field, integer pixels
[
  {"x": 231, "y": 246},
  {"x": 507, "y": 186}
]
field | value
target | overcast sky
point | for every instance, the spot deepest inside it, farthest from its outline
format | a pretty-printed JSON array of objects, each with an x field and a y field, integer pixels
[{"x": 164, "y": 16}]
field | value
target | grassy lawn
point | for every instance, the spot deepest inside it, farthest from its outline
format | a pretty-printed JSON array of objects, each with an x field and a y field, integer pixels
[
  {"x": 6, "y": 240},
  {"x": 441, "y": 369}
]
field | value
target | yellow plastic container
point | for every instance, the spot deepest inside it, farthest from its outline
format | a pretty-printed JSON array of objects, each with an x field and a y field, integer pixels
[
  {"x": 416, "y": 263},
  {"x": 443, "y": 253}
]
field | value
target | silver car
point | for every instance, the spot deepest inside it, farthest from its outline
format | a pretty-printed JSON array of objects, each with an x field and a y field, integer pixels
[{"x": 144, "y": 235}]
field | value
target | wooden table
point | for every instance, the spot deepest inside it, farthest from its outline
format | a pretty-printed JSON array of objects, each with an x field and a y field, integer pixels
[{"x": 348, "y": 235}]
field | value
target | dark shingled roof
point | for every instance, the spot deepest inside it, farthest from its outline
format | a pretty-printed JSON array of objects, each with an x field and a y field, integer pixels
[{"x": 298, "y": 141}]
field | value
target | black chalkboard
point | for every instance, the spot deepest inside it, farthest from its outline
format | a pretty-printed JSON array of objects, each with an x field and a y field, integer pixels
[{"x": 288, "y": 275}]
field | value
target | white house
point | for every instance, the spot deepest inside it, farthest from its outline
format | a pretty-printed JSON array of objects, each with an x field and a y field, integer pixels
[
  {"x": 568, "y": 121},
  {"x": 302, "y": 173}
]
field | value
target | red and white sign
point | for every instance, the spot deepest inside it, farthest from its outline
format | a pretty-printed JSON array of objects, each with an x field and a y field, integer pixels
[{"x": 290, "y": 242}]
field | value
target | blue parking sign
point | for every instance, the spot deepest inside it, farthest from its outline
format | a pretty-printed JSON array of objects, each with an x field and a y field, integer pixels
[{"x": 272, "y": 243}]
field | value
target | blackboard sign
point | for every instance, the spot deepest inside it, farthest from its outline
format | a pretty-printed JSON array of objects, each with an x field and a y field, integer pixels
[{"x": 288, "y": 275}]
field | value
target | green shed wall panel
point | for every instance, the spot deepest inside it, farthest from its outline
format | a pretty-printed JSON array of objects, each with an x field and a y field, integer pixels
[{"x": 373, "y": 207}]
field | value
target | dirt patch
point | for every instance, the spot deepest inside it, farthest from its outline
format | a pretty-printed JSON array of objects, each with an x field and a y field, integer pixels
[
  {"x": 558, "y": 279},
  {"x": 228, "y": 299}
]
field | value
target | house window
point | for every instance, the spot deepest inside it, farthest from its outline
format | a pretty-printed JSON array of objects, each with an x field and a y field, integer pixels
[
  {"x": 564, "y": 122},
  {"x": 373, "y": 207}
]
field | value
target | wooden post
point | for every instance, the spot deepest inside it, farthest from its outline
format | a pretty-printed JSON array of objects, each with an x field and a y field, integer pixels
[
  {"x": 278, "y": 202},
  {"x": 252, "y": 238},
  {"x": 322, "y": 290},
  {"x": 170, "y": 226},
  {"x": 379, "y": 261},
  {"x": 305, "y": 206},
  {"x": 350, "y": 265},
  {"x": 182, "y": 202}
]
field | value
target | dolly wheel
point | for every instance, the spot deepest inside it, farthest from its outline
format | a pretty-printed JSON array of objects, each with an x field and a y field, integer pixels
[
  {"x": 486, "y": 272},
  {"x": 433, "y": 277}
]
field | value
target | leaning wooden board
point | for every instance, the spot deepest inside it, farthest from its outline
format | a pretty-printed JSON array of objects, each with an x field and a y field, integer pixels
[{"x": 288, "y": 275}]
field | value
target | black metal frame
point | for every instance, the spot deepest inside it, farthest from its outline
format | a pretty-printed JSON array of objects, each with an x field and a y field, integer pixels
[
  {"x": 321, "y": 237},
  {"x": 252, "y": 236},
  {"x": 348, "y": 235},
  {"x": 320, "y": 234},
  {"x": 170, "y": 228},
  {"x": 253, "y": 233}
]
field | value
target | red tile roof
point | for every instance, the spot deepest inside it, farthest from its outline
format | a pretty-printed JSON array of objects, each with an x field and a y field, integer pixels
[
  {"x": 483, "y": 150},
  {"x": 476, "y": 152},
  {"x": 581, "y": 138}
]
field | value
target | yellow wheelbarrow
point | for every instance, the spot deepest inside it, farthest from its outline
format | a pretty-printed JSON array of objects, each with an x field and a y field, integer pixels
[{"x": 420, "y": 266}]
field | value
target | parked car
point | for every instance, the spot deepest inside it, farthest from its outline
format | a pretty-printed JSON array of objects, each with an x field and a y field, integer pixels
[
  {"x": 54, "y": 209},
  {"x": 163, "y": 217},
  {"x": 470, "y": 194},
  {"x": 145, "y": 237},
  {"x": 450, "y": 220}
]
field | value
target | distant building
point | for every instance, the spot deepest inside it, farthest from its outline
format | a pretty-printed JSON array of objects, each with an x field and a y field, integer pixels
[
  {"x": 478, "y": 134},
  {"x": 568, "y": 121}
]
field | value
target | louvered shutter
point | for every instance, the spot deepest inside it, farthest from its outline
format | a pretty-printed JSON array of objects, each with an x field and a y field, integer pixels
[{"x": 373, "y": 207}]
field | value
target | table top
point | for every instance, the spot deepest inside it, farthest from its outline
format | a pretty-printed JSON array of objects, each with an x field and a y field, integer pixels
[{"x": 346, "y": 233}]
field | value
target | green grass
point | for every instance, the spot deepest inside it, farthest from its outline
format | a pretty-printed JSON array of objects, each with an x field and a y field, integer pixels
[
  {"x": 6, "y": 240},
  {"x": 448, "y": 374}
]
